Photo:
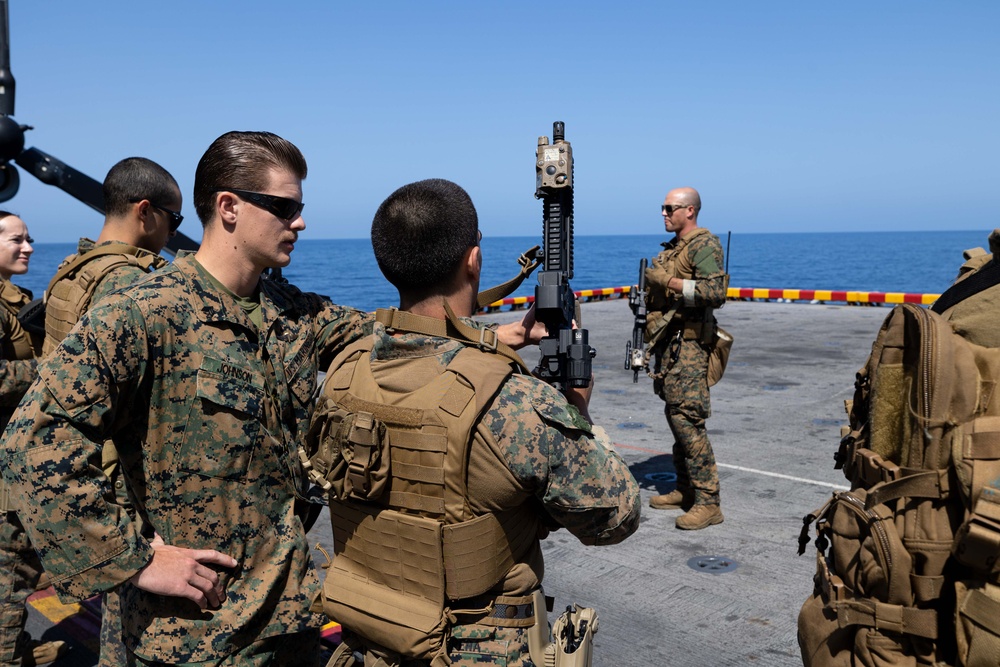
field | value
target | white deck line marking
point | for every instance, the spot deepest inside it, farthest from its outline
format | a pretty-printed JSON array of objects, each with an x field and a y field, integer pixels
[{"x": 839, "y": 487}]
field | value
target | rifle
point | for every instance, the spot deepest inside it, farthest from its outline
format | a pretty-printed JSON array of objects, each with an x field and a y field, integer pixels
[
  {"x": 635, "y": 349},
  {"x": 565, "y": 352}
]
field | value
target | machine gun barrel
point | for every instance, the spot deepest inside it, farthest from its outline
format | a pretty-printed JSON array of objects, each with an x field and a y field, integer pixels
[
  {"x": 565, "y": 352},
  {"x": 635, "y": 349}
]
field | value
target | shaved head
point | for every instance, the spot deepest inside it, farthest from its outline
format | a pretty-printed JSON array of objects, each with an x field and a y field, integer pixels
[{"x": 686, "y": 197}]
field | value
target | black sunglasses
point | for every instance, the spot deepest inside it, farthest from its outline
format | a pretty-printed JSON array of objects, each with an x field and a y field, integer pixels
[
  {"x": 668, "y": 209},
  {"x": 175, "y": 218},
  {"x": 282, "y": 207}
]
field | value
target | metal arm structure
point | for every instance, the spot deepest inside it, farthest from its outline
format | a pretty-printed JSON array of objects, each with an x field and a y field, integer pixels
[
  {"x": 565, "y": 352},
  {"x": 38, "y": 163}
]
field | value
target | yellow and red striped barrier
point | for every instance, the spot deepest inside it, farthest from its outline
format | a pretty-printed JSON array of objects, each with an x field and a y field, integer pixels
[
  {"x": 745, "y": 294},
  {"x": 823, "y": 296}
]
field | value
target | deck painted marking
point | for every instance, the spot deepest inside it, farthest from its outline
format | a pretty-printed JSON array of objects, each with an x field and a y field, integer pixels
[{"x": 839, "y": 487}]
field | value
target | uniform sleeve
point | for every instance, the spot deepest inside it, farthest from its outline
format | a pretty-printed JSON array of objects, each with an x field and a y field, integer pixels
[
  {"x": 122, "y": 276},
  {"x": 570, "y": 467},
  {"x": 709, "y": 288},
  {"x": 337, "y": 327},
  {"x": 15, "y": 378},
  {"x": 16, "y": 375},
  {"x": 51, "y": 453}
]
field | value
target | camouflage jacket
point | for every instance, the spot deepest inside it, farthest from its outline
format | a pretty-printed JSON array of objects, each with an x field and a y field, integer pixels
[
  {"x": 697, "y": 257},
  {"x": 205, "y": 410},
  {"x": 535, "y": 449},
  {"x": 17, "y": 350}
]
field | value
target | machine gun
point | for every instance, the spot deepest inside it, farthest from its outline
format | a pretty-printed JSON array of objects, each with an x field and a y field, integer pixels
[
  {"x": 635, "y": 349},
  {"x": 565, "y": 352}
]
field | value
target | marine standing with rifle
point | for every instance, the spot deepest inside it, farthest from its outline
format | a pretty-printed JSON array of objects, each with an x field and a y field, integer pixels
[
  {"x": 447, "y": 462},
  {"x": 686, "y": 281}
]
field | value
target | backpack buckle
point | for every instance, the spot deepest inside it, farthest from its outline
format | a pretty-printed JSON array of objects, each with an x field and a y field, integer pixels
[{"x": 488, "y": 339}]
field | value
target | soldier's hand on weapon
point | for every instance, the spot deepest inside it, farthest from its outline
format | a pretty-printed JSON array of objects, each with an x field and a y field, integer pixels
[
  {"x": 185, "y": 573},
  {"x": 528, "y": 331},
  {"x": 579, "y": 397},
  {"x": 656, "y": 274}
]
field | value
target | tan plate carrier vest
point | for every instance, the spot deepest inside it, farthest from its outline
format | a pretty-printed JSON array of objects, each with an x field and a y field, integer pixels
[
  {"x": 408, "y": 549},
  {"x": 72, "y": 288}
]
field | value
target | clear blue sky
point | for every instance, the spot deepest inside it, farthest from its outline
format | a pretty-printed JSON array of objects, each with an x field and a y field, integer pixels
[{"x": 787, "y": 116}]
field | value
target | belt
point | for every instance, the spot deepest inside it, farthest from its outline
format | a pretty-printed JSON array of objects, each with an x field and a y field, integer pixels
[{"x": 512, "y": 611}]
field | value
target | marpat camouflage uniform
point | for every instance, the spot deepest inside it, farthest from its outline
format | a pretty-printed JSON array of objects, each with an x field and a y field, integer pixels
[
  {"x": 114, "y": 277},
  {"x": 19, "y": 565},
  {"x": 683, "y": 357},
  {"x": 531, "y": 448},
  {"x": 205, "y": 410}
]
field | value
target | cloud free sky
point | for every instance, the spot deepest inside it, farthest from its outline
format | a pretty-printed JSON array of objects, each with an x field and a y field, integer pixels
[{"x": 787, "y": 116}]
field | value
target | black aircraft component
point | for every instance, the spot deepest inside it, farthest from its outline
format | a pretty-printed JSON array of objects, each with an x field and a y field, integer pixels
[{"x": 38, "y": 163}]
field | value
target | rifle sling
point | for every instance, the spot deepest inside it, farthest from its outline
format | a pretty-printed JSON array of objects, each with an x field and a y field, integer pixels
[{"x": 529, "y": 262}]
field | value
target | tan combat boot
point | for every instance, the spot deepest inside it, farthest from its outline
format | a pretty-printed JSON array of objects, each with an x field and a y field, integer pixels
[
  {"x": 42, "y": 653},
  {"x": 674, "y": 500},
  {"x": 699, "y": 516}
]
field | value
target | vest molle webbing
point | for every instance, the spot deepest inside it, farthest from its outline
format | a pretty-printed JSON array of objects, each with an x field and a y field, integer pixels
[
  {"x": 72, "y": 288},
  {"x": 408, "y": 548}
]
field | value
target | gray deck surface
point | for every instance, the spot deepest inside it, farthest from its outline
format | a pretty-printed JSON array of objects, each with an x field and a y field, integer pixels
[{"x": 775, "y": 427}]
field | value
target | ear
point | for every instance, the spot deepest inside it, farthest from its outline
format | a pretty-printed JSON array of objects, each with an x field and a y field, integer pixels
[
  {"x": 473, "y": 263},
  {"x": 142, "y": 209},
  {"x": 226, "y": 206}
]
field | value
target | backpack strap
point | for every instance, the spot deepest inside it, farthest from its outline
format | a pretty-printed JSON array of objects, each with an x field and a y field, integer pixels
[
  {"x": 114, "y": 248},
  {"x": 980, "y": 280}
]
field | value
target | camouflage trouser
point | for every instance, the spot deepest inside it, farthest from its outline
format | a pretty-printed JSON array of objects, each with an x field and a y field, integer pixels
[
  {"x": 19, "y": 572},
  {"x": 487, "y": 645},
  {"x": 298, "y": 650},
  {"x": 113, "y": 652},
  {"x": 685, "y": 391},
  {"x": 484, "y": 645}
]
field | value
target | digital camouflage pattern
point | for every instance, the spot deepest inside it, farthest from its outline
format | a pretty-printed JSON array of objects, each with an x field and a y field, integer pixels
[
  {"x": 531, "y": 448},
  {"x": 115, "y": 276},
  {"x": 205, "y": 410},
  {"x": 19, "y": 565},
  {"x": 684, "y": 387}
]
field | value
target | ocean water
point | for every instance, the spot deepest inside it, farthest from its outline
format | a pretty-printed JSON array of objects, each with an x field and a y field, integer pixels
[{"x": 918, "y": 262}]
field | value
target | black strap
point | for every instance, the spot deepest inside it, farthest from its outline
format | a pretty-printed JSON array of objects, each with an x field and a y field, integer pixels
[{"x": 980, "y": 280}]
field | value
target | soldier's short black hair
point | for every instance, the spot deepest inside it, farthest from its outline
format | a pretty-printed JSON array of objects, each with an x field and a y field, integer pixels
[
  {"x": 421, "y": 232},
  {"x": 242, "y": 160},
  {"x": 136, "y": 178}
]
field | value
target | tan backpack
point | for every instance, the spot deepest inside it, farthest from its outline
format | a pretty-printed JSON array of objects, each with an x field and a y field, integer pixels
[{"x": 906, "y": 560}]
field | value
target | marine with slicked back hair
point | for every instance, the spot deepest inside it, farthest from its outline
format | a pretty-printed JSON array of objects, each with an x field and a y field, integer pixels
[
  {"x": 431, "y": 434},
  {"x": 244, "y": 161},
  {"x": 203, "y": 375}
]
